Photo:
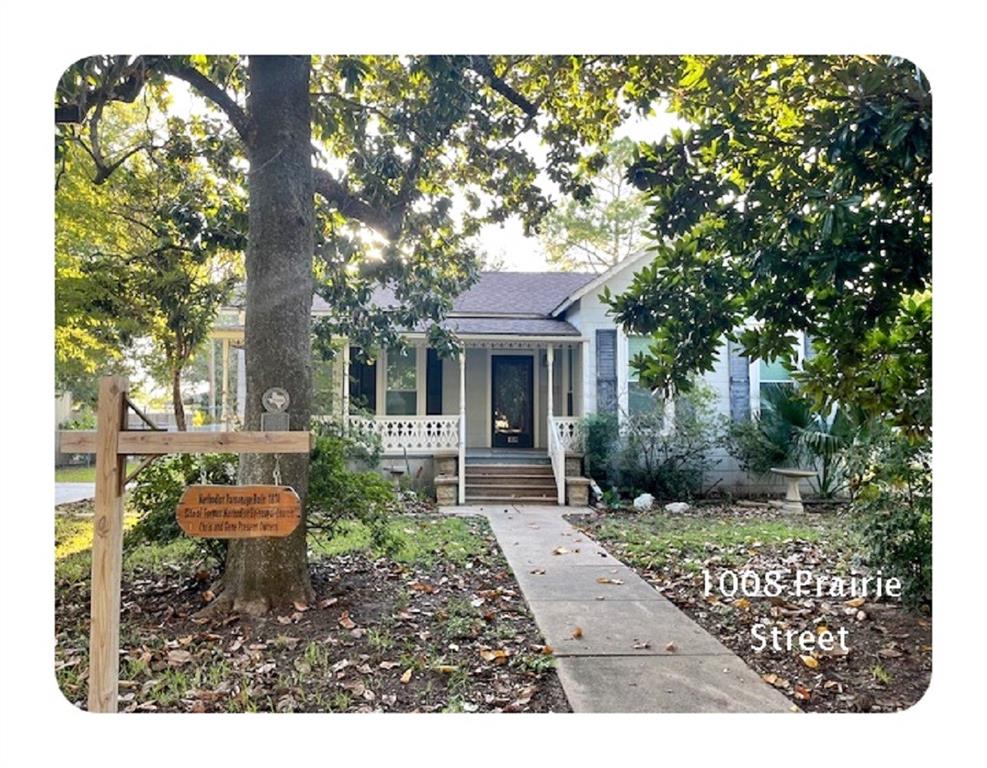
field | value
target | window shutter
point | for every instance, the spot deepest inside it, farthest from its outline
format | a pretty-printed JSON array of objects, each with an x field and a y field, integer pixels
[
  {"x": 606, "y": 371},
  {"x": 740, "y": 382},
  {"x": 363, "y": 383}
]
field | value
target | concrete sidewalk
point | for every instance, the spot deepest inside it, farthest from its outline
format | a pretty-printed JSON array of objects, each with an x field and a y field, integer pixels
[{"x": 634, "y": 651}]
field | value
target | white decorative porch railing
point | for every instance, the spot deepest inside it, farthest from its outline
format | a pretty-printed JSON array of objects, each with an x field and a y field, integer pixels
[
  {"x": 570, "y": 432},
  {"x": 557, "y": 454},
  {"x": 414, "y": 434}
]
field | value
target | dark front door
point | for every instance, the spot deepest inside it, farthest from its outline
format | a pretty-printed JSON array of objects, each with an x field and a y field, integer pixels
[{"x": 512, "y": 388}]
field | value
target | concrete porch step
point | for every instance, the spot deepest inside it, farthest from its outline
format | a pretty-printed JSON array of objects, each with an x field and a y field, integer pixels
[
  {"x": 483, "y": 476},
  {"x": 483, "y": 489},
  {"x": 511, "y": 480},
  {"x": 510, "y": 499},
  {"x": 535, "y": 460},
  {"x": 509, "y": 469}
]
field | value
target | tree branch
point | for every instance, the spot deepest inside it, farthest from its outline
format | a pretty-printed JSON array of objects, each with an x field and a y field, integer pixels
[
  {"x": 350, "y": 205},
  {"x": 205, "y": 88},
  {"x": 481, "y": 65}
]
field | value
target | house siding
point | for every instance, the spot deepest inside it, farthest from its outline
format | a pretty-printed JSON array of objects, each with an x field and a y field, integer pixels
[{"x": 589, "y": 315}]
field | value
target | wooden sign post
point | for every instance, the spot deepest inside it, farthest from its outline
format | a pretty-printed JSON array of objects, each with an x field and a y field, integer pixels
[{"x": 112, "y": 442}]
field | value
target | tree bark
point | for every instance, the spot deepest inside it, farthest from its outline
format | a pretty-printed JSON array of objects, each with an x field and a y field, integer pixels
[
  {"x": 265, "y": 574},
  {"x": 176, "y": 399}
]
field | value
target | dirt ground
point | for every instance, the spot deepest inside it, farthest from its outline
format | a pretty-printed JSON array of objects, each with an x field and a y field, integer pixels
[
  {"x": 889, "y": 660},
  {"x": 422, "y": 633}
]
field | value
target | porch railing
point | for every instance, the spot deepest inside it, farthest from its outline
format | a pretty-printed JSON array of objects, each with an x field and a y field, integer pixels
[
  {"x": 570, "y": 432},
  {"x": 556, "y": 452},
  {"x": 414, "y": 434}
]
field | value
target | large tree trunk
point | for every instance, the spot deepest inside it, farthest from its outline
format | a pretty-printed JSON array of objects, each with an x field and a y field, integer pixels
[
  {"x": 176, "y": 399},
  {"x": 262, "y": 574}
]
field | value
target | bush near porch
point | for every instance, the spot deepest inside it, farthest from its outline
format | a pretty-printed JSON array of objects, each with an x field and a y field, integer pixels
[
  {"x": 645, "y": 455},
  {"x": 343, "y": 486}
]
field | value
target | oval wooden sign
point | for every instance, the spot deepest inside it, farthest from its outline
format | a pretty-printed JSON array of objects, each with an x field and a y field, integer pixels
[{"x": 239, "y": 511}]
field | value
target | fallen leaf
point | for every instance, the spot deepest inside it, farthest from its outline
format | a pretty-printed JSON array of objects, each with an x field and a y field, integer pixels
[
  {"x": 421, "y": 586},
  {"x": 389, "y": 664},
  {"x": 671, "y": 647},
  {"x": 642, "y": 646},
  {"x": 802, "y": 693},
  {"x": 178, "y": 657},
  {"x": 328, "y": 601},
  {"x": 577, "y": 632},
  {"x": 498, "y": 656},
  {"x": 406, "y": 677},
  {"x": 300, "y": 606},
  {"x": 608, "y": 580},
  {"x": 855, "y": 603},
  {"x": 538, "y": 571},
  {"x": 346, "y": 622},
  {"x": 810, "y": 661},
  {"x": 742, "y": 603},
  {"x": 560, "y": 551}
]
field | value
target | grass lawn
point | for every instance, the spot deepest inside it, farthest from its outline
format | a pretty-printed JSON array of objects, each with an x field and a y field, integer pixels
[
  {"x": 656, "y": 540},
  {"x": 437, "y": 624},
  {"x": 82, "y": 474}
]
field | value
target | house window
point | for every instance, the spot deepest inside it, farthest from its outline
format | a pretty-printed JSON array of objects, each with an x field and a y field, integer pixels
[
  {"x": 773, "y": 372},
  {"x": 323, "y": 384},
  {"x": 639, "y": 398},
  {"x": 402, "y": 384}
]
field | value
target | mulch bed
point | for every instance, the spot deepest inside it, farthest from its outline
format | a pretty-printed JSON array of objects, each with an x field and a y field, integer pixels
[
  {"x": 889, "y": 663},
  {"x": 381, "y": 636}
]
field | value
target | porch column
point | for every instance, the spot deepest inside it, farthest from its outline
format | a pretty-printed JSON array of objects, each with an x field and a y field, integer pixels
[
  {"x": 462, "y": 426},
  {"x": 212, "y": 380},
  {"x": 345, "y": 415},
  {"x": 241, "y": 384},
  {"x": 226, "y": 384},
  {"x": 550, "y": 355}
]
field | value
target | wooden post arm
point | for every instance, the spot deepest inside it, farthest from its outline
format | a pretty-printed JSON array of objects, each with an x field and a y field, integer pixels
[{"x": 150, "y": 443}]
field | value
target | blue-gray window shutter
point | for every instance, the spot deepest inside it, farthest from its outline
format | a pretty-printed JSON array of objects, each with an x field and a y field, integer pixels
[
  {"x": 606, "y": 371},
  {"x": 740, "y": 382}
]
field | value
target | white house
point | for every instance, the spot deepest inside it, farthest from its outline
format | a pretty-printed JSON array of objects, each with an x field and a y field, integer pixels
[{"x": 488, "y": 426}]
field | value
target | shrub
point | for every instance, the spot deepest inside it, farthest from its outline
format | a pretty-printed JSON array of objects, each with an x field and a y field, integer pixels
[
  {"x": 344, "y": 486},
  {"x": 754, "y": 451},
  {"x": 669, "y": 461},
  {"x": 789, "y": 432},
  {"x": 159, "y": 488},
  {"x": 601, "y": 436},
  {"x": 891, "y": 476}
]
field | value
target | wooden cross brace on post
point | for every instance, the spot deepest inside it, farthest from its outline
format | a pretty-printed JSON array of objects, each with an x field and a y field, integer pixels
[{"x": 112, "y": 442}]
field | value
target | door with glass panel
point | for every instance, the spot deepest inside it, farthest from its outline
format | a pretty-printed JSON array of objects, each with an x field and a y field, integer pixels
[{"x": 512, "y": 401}]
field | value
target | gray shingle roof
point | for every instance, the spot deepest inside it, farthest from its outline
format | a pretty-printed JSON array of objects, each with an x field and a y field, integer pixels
[
  {"x": 509, "y": 326},
  {"x": 499, "y": 293}
]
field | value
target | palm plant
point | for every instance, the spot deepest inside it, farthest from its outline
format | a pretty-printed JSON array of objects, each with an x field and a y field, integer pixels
[{"x": 804, "y": 436}]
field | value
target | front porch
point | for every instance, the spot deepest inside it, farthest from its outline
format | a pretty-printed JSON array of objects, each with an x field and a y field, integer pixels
[
  {"x": 505, "y": 400},
  {"x": 502, "y": 402}
]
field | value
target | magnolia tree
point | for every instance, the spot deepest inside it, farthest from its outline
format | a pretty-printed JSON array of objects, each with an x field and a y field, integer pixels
[
  {"x": 800, "y": 200},
  {"x": 359, "y": 172}
]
